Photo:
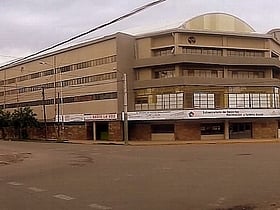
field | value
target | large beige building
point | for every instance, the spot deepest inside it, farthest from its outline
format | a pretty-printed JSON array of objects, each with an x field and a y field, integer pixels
[{"x": 212, "y": 77}]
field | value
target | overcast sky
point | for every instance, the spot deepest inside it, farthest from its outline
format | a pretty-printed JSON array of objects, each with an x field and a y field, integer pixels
[{"x": 31, "y": 25}]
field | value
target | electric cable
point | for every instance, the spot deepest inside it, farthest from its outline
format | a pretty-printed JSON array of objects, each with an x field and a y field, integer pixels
[{"x": 133, "y": 12}]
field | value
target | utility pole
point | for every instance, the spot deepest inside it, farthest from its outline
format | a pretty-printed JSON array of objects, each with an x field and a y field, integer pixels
[
  {"x": 125, "y": 109},
  {"x": 58, "y": 116},
  {"x": 44, "y": 111},
  {"x": 54, "y": 69},
  {"x": 5, "y": 82}
]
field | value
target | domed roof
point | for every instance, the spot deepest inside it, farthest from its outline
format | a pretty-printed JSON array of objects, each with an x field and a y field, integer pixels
[
  {"x": 217, "y": 22},
  {"x": 275, "y": 33}
]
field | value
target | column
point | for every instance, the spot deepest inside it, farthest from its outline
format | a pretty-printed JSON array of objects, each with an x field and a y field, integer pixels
[
  {"x": 94, "y": 130},
  {"x": 226, "y": 130}
]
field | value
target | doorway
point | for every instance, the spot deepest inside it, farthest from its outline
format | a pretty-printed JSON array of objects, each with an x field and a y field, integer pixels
[
  {"x": 240, "y": 130},
  {"x": 102, "y": 130},
  {"x": 89, "y": 130}
]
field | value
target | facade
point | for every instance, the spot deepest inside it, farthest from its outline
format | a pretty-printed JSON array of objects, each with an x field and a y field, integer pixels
[{"x": 213, "y": 77}]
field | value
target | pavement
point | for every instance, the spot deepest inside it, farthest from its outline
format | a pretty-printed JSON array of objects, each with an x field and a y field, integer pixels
[{"x": 150, "y": 143}]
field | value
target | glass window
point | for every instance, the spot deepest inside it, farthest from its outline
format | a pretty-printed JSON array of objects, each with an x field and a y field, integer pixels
[
  {"x": 211, "y": 128},
  {"x": 162, "y": 128},
  {"x": 204, "y": 100}
]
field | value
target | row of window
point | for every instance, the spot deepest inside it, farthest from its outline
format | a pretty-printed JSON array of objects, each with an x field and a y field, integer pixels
[
  {"x": 245, "y": 53},
  {"x": 72, "y": 67},
  {"x": 74, "y": 99},
  {"x": 209, "y": 51},
  {"x": 246, "y": 74},
  {"x": 202, "y": 51},
  {"x": 168, "y": 72},
  {"x": 253, "y": 100},
  {"x": 159, "y": 102},
  {"x": 163, "y": 51},
  {"x": 70, "y": 82},
  {"x": 207, "y": 101},
  {"x": 203, "y": 73}
]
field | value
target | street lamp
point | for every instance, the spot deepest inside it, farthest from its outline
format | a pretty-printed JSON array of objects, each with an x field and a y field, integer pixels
[
  {"x": 125, "y": 106},
  {"x": 55, "y": 93}
]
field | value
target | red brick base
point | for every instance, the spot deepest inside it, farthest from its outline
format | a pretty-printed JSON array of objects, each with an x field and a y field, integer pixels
[
  {"x": 265, "y": 129},
  {"x": 187, "y": 131}
]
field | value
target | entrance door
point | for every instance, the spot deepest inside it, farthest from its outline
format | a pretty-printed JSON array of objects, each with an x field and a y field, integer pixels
[
  {"x": 89, "y": 131},
  {"x": 240, "y": 130},
  {"x": 102, "y": 130}
]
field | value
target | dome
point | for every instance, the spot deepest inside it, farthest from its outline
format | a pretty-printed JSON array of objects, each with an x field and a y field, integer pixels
[
  {"x": 217, "y": 22},
  {"x": 275, "y": 33}
]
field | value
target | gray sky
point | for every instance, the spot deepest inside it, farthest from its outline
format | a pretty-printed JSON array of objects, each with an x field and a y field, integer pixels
[{"x": 31, "y": 25}]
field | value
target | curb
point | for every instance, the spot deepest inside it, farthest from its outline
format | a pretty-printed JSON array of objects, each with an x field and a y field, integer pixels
[{"x": 158, "y": 143}]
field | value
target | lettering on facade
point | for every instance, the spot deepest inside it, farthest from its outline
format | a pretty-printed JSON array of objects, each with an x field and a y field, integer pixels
[{"x": 202, "y": 114}]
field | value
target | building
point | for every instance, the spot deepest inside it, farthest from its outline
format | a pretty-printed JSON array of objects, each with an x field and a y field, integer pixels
[{"x": 212, "y": 77}]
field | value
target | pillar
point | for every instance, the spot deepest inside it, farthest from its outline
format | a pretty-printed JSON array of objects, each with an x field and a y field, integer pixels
[{"x": 226, "y": 129}]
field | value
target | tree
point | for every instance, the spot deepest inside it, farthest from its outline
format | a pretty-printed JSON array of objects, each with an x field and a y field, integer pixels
[
  {"x": 5, "y": 121},
  {"x": 22, "y": 119}
]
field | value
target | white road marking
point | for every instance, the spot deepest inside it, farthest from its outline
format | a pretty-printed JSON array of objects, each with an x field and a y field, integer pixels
[
  {"x": 63, "y": 197},
  {"x": 35, "y": 189},
  {"x": 100, "y": 207},
  {"x": 15, "y": 183}
]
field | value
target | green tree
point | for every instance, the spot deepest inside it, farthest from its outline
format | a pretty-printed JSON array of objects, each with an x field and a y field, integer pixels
[
  {"x": 22, "y": 119},
  {"x": 5, "y": 121}
]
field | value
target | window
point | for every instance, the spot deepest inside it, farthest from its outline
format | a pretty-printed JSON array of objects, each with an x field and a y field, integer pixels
[
  {"x": 204, "y": 100},
  {"x": 245, "y": 53},
  {"x": 48, "y": 72},
  {"x": 163, "y": 51},
  {"x": 235, "y": 74},
  {"x": 35, "y": 75},
  {"x": 202, "y": 72},
  {"x": 162, "y": 128},
  {"x": 159, "y": 101},
  {"x": 13, "y": 80},
  {"x": 23, "y": 78},
  {"x": 64, "y": 69},
  {"x": 202, "y": 51},
  {"x": 212, "y": 128},
  {"x": 167, "y": 72},
  {"x": 252, "y": 100}
]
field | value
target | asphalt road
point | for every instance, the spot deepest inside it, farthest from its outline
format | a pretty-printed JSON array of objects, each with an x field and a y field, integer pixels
[{"x": 102, "y": 177}]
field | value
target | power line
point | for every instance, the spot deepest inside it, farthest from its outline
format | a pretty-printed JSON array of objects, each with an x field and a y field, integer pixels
[
  {"x": 8, "y": 56},
  {"x": 133, "y": 12}
]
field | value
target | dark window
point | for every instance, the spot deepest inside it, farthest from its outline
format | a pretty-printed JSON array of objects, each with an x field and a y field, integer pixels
[
  {"x": 35, "y": 75},
  {"x": 163, "y": 128},
  {"x": 212, "y": 128}
]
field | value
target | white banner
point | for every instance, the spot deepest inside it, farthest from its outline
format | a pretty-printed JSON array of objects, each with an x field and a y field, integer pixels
[
  {"x": 203, "y": 114},
  {"x": 93, "y": 117},
  {"x": 85, "y": 117}
]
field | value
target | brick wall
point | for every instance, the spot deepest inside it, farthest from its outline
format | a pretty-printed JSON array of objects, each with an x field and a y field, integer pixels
[
  {"x": 116, "y": 131},
  {"x": 265, "y": 129},
  {"x": 187, "y": 131},
  {"x": 139, "y": 132},
  {"x": 39, "y": 133},
  {"x": 75, "y": 132}
]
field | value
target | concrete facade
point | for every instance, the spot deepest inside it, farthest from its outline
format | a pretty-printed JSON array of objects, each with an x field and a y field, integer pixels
[{"x": 211, "y": 78}]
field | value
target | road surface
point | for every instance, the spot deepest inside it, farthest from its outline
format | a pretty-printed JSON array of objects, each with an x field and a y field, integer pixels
[{"x": 101, "y": 177}]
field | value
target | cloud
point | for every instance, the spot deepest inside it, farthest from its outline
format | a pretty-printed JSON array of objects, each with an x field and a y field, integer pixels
[{"x": 28, "y": 25}]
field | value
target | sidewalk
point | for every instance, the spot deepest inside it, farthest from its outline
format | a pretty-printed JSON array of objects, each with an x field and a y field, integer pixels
[{"x": 150, "y": 143}]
